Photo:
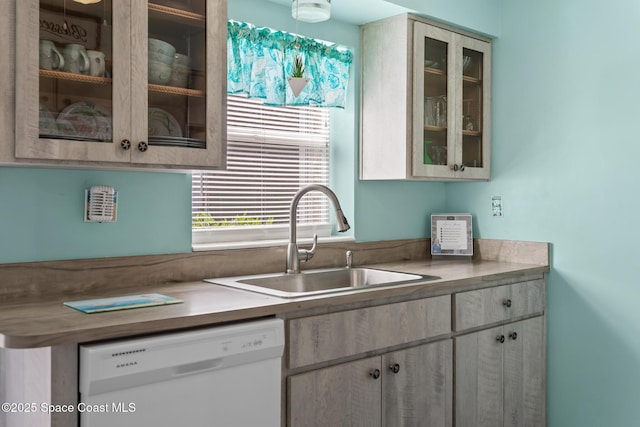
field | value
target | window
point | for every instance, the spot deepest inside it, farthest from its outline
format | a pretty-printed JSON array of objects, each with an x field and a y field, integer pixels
[{"x": 272, "y": 152}]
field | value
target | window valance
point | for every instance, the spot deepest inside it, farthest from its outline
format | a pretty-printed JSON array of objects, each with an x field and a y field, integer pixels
[{"x": 260, "y": 59}]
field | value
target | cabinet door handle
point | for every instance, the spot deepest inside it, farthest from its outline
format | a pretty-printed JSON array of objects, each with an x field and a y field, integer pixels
[
  {"x": 374, "y": 373},
  {"x": 125, "y": 144},
  {"x": 507, "y": 303},
  {"x": 461, "y": 167},
  {"x": 513, "y": 336},
  {"x": 143, "y": 146},
  {"x": 500, "y": 339},
  {"x": 454, "y": 167},
  {"x": 394, "y": 367}
]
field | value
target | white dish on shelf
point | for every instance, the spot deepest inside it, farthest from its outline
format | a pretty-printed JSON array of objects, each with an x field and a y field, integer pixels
[
  {"x": 162, "y": 123},
  {"x": 85, "y": 120},
  {"x": 47, "y": 122}
]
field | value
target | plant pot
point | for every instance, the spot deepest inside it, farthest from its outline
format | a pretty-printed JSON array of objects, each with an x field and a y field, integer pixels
[{"x": 297, "y": 84}]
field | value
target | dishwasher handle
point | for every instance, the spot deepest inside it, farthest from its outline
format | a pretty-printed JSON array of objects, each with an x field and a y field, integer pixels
[{"x": 196, "y": 367}]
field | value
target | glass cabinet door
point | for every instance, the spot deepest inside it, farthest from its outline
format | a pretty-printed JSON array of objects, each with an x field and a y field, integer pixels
[
  {"x": 433, "y": 102},
  {"x": 65, "y": 71},
  {"x": 179, "y": 86},
  {"x": 474, "y": 123}
]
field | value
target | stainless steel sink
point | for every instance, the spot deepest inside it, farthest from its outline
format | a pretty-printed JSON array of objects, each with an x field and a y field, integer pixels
[{"x": 315, "y": 282}]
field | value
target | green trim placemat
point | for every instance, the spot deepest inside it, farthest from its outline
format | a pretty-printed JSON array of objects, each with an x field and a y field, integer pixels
[{"x": 121, "y": 303}]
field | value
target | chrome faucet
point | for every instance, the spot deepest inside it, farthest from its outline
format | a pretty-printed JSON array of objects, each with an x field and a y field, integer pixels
[{"x": 295, "y": 255}]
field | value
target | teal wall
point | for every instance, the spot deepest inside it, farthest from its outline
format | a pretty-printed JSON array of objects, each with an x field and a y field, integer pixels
[
  {"x": 41, "y": 215},
  {"x": 565, "y": 161}
]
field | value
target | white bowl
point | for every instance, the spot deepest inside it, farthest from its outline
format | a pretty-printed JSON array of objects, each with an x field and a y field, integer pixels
[
  {"x": 159, "y": 73},
  {"x": 161, "y": 51},
  {"x": 180, "y": 59},
  {"x": 180, "y": 76}
]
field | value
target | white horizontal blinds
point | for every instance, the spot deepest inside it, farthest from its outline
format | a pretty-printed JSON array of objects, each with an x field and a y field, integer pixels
[{"x": 271, "y": 153}]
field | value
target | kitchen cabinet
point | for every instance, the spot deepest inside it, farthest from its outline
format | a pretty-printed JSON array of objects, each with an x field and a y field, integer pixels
[
  {"x": 406, "y": 386},
  {"x": 426, "y": 102},
  {"x": 500, "y": 370},
  {"x": 409, "y": 387},
  {"x": 150, "y": 104}
]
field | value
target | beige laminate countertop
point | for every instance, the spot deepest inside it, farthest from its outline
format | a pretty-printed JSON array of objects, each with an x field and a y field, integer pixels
[{"x": 41, "y": 323}]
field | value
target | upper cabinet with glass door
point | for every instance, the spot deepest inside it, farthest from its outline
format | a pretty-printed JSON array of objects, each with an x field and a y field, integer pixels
[
  {"x": 121, "y": 83},
  {"x": 426, "y": 109}
]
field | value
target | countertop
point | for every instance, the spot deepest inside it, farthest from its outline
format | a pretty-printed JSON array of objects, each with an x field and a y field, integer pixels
[{"x": 43, "y": 322}]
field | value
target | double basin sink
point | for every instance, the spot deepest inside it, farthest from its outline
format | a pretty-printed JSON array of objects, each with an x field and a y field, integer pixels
[{"x": 317, "y": 282}]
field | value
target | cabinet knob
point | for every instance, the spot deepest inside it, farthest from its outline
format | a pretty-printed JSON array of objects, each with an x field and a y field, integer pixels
[
  {"x": 374, "y": 373},
  {"x": 125, "y": 144},
  {"x": 394, "y": 367},
  {"x": 513, "y": 336},
  {"x": 143, "y": 146},
  {"x": 507, "y": 303},
  {"x": 500, "y": 338}
]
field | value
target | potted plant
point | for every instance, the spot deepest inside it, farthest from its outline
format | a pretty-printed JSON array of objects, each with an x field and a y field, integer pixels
[{"x": 296, "y": 80}]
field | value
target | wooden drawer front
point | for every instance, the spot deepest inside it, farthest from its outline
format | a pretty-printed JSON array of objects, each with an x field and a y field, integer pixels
[
  {"x": 326, "y": 337},
  {"x": 491, "y": 305}
]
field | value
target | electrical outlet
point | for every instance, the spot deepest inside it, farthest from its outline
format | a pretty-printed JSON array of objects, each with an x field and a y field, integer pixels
[{"x": 496, "y": 205}]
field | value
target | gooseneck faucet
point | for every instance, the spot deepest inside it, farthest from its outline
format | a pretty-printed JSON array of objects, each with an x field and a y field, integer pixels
[{"x": 295, "y": 255}]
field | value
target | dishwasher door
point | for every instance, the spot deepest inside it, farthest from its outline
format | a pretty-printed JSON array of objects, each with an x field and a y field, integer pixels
[{"x": 221, "y": 376}]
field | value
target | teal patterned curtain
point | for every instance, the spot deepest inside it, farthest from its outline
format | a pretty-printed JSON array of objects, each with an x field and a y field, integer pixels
[{"x": 260, "y": 59}]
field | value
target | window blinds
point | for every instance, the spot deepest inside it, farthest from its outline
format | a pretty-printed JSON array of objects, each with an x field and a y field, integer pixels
[{"x": 271, "y": 153}]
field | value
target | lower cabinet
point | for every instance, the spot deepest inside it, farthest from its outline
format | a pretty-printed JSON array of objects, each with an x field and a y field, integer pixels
[
  {"x": 484, "y": 366},
  {"x": 409, "y": 387},
  {"x": 500, "y": 376}
]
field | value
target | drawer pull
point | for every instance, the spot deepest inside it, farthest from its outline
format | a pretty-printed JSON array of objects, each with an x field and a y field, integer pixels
[
  {"x": 394, "y": 367},
  {"x": 374, "y": 373},
  {"x": 500, "y": 339},
  {"x": 507, "y": 303},
  {"x": 513, "y": 336}
]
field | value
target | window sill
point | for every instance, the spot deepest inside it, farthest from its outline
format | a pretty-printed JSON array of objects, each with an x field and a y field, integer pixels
[{"x": 201, "y": 247}]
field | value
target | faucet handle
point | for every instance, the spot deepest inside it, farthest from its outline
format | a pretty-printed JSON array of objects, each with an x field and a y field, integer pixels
[
  {"x": 349, "y": 255},
  {"x": 307, "y": 254}
]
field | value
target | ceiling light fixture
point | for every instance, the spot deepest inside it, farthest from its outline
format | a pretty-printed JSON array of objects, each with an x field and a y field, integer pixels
[
  {"x": 310, "y": 10},
  {"x": 87, "y": 1}
]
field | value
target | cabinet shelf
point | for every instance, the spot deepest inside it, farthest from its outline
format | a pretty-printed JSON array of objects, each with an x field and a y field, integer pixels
[
  {"x": 434, "y": 71},
  {"x": 472, "y": 80},
  {"x": 176, "y": 90},
  {"x": 74, "y": 77},
  {"x": 181, "y": 16},
  {"x": 471, "y": 133},
  {"x": 439, "y": 72},
  {"x": 464, "y": 132}
]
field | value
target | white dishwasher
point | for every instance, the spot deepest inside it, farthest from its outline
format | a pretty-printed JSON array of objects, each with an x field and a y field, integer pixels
[{"x": 221, "y": 376}]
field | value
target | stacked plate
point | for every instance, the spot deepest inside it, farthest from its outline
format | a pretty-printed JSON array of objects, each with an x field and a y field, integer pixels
[
  {"x": 165, "y": 130},
  {"x": 82, "y": 121},
  {"x": 170, "y": 141}
]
